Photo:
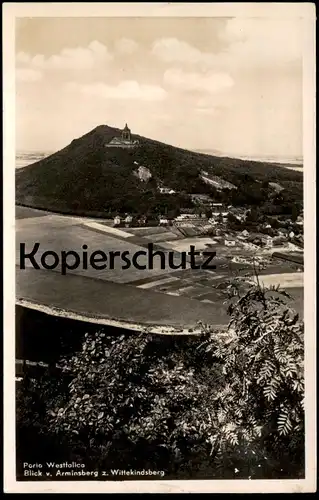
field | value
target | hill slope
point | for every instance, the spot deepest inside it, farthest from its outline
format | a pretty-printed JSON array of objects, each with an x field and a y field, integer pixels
[{"x": 86, "y": 177}]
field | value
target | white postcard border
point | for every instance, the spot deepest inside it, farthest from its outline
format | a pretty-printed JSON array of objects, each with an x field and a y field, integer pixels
[{"x": 11, "y": 11}]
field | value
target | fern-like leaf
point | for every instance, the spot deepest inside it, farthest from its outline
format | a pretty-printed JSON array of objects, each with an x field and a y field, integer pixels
[{"x": 284, "y": 423}]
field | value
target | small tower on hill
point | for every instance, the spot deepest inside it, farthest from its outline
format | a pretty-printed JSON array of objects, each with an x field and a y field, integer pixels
[{"x": 126, "y": 133}]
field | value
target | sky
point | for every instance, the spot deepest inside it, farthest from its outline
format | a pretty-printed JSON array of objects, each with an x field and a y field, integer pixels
[{"x": 227, "y": 84}]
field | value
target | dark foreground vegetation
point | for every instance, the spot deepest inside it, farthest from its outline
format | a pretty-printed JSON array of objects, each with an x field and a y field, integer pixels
[
  {"x": 206, "y": 406},
  {"x": 86, "y": 178}
]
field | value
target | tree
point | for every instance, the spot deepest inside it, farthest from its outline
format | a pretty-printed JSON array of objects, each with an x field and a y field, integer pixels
[
  {"x": 232, "y": 219},
  {"x": 294, "y": 213},
  {"x": 220, "y": 219},
  {"x": 252, "y": 216},
  {"x": 260, "y": 406},
  {"x": 234, "y": 223}
]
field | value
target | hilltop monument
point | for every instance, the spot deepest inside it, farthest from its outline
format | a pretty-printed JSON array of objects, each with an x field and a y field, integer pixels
[{"x": 125, "y": 141}]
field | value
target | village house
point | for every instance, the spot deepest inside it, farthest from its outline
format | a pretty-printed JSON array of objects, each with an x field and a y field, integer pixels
[
  {"x": 267, "y": 240},
  {"x": 187, "y": 216},
  {"x": 219, "y": 214},
  {"x": 249, "y": 246},
  {"x": 299, "y": 237},
  {"x": 125, "y": 141},
  {"x": 243, "y": 235},
  {"x": 256, "y": 239},
  {"x": 213, "y": 221},
  {"x": 163, "y": 221},
  {"x": 117, "y": 220},
  {"x": 128, "y": 220},
  {"x": 299, "y": 220},
  {"x": 229, "y": 242},
  {"x": 142, "y": 220},
  {"x": 218, "y": 207},
  {"x": 283, "y": 232},
  {"x": 278, "y": 241},
  {"x": 239, "y": 212},
  {"x": 225, "y": 216},
  {"x": 186, "y": 210},
  {"x": 298, "y": 242}
]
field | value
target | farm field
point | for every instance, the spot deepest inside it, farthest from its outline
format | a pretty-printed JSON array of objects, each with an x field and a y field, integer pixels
[
  {"x": 106, "y": 292},
  {"x": 201, "y": 243},
  {"x": 285, "y": 280},
  {"x": 58, "y": 233},
  {"x": 26, "y": 212},
  {"x": 103, "y": 300}
]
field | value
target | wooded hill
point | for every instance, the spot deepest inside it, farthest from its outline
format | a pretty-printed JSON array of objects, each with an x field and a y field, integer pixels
[{"x": 88, "y": 178}]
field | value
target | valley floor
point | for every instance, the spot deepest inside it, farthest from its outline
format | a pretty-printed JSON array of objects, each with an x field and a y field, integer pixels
[{"x": 164, "y": 297}]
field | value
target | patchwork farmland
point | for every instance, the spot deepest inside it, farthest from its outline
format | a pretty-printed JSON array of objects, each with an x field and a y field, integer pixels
[{"x": 129, "y": 293}]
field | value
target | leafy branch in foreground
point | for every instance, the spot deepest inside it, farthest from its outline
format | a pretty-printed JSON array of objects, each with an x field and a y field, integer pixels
[{"x": 263, "y": 385}]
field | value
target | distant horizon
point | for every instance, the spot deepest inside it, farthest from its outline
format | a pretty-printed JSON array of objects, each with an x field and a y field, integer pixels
[
  {"x": 198, "y": 150},
  {"x": 224, "y": 153},
  {"x": 294, "y": 159}
]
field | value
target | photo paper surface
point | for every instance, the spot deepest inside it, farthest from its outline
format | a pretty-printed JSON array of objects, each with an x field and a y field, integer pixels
[{"x": 159, "y": 259}]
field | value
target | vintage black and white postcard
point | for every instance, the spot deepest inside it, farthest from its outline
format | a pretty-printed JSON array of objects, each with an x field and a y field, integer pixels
[{"x": 159, "y": 260}]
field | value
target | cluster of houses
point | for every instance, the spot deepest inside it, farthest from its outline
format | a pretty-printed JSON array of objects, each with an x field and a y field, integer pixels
[
  {"x": 127, "y": 220},
  {"x": 248, "y": 239},
  {"x": 219, "y": 214},
  {"x": 218, "y": 223},
  {"x": 196, "y": 220}
]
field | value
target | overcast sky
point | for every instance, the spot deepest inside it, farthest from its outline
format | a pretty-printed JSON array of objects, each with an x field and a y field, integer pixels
[{"x": 233, "y": 85}]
